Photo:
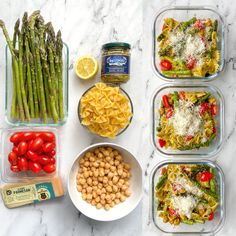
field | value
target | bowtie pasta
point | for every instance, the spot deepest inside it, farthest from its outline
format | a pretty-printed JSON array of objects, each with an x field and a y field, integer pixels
[
  {"x": 189, "y": 48},
  {"x": 105, "y": 110}
]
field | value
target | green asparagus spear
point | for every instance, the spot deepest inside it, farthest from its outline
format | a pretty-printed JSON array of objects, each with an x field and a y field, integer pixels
[{"x": 16, "y": 69}]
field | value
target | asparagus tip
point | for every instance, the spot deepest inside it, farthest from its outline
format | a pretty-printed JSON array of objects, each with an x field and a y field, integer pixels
[{"x": 2, "y": 24}]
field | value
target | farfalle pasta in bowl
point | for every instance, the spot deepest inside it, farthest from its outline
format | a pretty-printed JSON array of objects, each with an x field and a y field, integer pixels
[
  {"x": 188, "y": 197},
  {"x": 188, "y": 120},
  {"x": 188, "y": 43},
  {"x": 106, "y": 110}
]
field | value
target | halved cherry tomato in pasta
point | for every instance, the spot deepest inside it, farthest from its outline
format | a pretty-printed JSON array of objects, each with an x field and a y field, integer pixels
[
  {"x": 165, "y": 101},
  {"x": 204, "y": 176},
  {"x": 162, "y": 142},
  {"x": 169, "y": 113},
  {"x": 164, "y": 27},
  {"x": 189, "y": 137},
  {"x": 191, "y": 63},
  {"x": 182, "y": 95},
  {"x": 204, "y": 108},
  {"x": 163, "y": 171},
  {"x": 173, "y": 212},
  {"x": 199, "y": 24},
  {"x": 165, "y": 65},
  {"x": 214, "y": 130},
  {"x": 211, "y": 216},
  {"x": 213, "y": 109}
]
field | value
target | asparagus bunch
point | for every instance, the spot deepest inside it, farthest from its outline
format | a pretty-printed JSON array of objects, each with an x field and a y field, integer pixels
[{"x": 36, "y": 70}]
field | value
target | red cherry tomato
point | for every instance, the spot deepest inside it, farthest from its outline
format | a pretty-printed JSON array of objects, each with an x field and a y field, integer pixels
[
  {"x": 16, "y": 137},
  {"x": 12, "y": 158},
  {"x": 27, "y": 136},
  {"x": 15, "y": 150},
  {"x": 214, "y": 130},
  {"x": 52, "y": 153},
  {"x": 37, "y": 144},
  {"x": 165, "y": 65},
  {"x": 32, "y": 156},
  {"x": 164, "y": 27},
  {"x": 52, "y": 160},
  {"x": 22, "y": 148},
  {"x": 43, "y": 160},
  {"x": 162, "y": 142},
  {"x": 166, "y": 101},
  {"x": 181, "y": 95},
  {"x": 15, "y": 168},
  {"x": 191, "y": 63},
  {"x": 49, "y": 168},
  {"x": 204, "y": 108},
  {"x": 23, "y": 164},
  {"x": 48, "y": 147},
  {"x": 163, "y": 171},
  {"x": 211, "y": 216},
  {"x": 189, "y": 137},
  {"x": 213, "y": 109},
  {"x": 47, "y": 136},
  {"x": 199, "y": 24},
  {"x": 35, "y": 167},
  {"x": 169, "y": 113},
  {"x": 205, "y": 176},
  {"x": 173, "y": 212}
]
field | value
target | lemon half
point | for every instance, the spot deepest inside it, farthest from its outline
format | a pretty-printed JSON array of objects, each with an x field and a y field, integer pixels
[{"x": 86, "y": 67}]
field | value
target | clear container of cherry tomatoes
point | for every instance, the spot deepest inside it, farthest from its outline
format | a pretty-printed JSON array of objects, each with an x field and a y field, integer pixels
[{"x": 29, "y": 153}]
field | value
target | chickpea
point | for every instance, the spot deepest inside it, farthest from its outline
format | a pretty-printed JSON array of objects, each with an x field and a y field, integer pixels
[
  {"x": 84, "y": 196},
  {"x": 95, "y": 173},
  {"x": 124, "y": 188},
  {"x": 107, "y": 165},
  {"x": 89, "y": 189},
  {"x": 117, "y": 201},
  {"x": 109, "y": 149},
  {"x": 99, "y": 192},
  {"x": 79, "y": 188},
  {"x": 115, "y": 188},
  {"x": 95, "y": 182},
  {"x": 120, "y": 172},
  {"x": 107, "y": 207},
  {"x": 108, "y": 197},
  {"x": 88, "y": 154},
  {"x": 100, "y": 186},
  {"x": 127, "y": 166},
  {"x": 113, "y": 168},
  {"x": 92, "y": 159},
  {"x": 122, "y": 181},
  {"x": 94, "y": 194},
  {"x": 104, "y": 190},
  {"x": 84, "y": 190},
  {"x": 110, "y": 175},
  {"x": 81, "y": 161},
  {"x": 111, "y": 163},
  {"x": 96, "y": 151},
  {"x": 118, "y": 195},
  {"x": 100, "y": 179},
  {"x": 115, "y": 179},
  {"x": 102, "y": 164},
  {"x": 86, "y": 174},
  {"x": 124, "y": 175},
  {"x": 89, "y": 196},
  {"x": 127, "y": 193},
  {"x": 112, "y": 204},
  {"x": 82, "y": 181},
  {"x": 103, "y": 202},
  {"x": 89, "y": 181},
  {"x": 97, "y": 199},
  {"x": 122, "y": 198},
  {"x": 116, "y": 162},
  {"x": 100, "y": 155},
  {"x": 113, "y": 196},
  {"x": 109, "y": 189},
  {"x": 95, "y": 164},
  {"x": 119, "y": 158},
  {"x": 93, "y": 202},
  {"x": 95, "y": 188},
  {"x": 106, "y": 171},
  {"x": 108, "y": 158},
  {"x": 101, "y": 173},
  {"x": 86, "y": 163},
  {"x": 103, "y": 196},
  {"x": 115, "y": 153},
  {"x": 99, "y": 206}
]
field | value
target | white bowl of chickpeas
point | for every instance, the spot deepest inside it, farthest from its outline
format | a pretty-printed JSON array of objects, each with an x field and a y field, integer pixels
[{"x": 105, "y": 182}]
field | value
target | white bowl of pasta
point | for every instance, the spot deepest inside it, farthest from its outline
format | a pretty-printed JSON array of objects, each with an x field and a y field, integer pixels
[
  {"x": 105, "y": 110},
  {"x": 105, "y": 182}
]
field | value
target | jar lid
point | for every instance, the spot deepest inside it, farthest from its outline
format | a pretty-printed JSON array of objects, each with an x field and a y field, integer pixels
[{"x": 116, "y": 44}]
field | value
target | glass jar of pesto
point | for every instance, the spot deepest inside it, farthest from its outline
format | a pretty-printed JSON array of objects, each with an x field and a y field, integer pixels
[{"x": 115, "y": 62}]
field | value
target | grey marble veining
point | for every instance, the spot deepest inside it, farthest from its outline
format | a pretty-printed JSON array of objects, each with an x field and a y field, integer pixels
[{"x": 85, "y": 26}]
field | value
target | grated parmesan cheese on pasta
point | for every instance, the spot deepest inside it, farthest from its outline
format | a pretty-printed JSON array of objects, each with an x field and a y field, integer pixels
[
  {"x": 184, "y": 205},
  {"x": 186, "y": 119},
  {"x": 190, "y": 189}
]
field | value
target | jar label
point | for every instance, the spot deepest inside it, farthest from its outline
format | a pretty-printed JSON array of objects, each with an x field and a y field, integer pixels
[{"x": 115, "y": 64}]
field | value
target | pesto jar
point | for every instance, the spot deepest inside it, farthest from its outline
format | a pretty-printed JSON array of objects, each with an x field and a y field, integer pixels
[{"x": 115, "y": 62}]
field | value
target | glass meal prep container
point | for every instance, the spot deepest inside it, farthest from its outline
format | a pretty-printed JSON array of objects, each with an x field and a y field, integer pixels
[
  {"x": 185, "y": 13},
  {"x": 24, "y": 176},
  {"x": 209, "y": 227},
  {"x": 130, "y": 103},
  {"x": 203, "y": 152},
  {"x": 9, "y": 93}
]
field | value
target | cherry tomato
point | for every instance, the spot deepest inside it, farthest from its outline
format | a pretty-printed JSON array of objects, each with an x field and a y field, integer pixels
[
  {"x": 49, "y": 168},
  {"x": 23, "y": 164},
  {"x": 163, "y": 171},
  {"x": 205, "y": 176},
  {"x": 15, "y": 168},
  {"x": 211, "y": 216},
  {"x": 191, "y": 63},
  {"x": 177, "y": 187},
  {"x": 27, "y": 136},
  {"x": 214, "y": 130},
  {"x": 22, "y": 148},
  {"x": 204, "y": 108},
  {"x": 189, "y": 137},
  {"x": 30, "y": 144},
  {"x": 48, "y": 147},
  {"x": 32, "y": 156},
  {"x": 12, "y": 158},
  {"x": 52, "y": 160},
  {"x": 44, "y": 160},
  {"x": 213, "y": 109},
  {"x": 162, "y": 142},
  {"x": 37, "y": 144},
  {"x": 164, "y": 27},
  {"x": 165, "y": 65},
  {"x": 166, "y": 101},
  {"x": 35, "y": 167},
  {"x": 169, "y": 113},
  {"x": 15, "y": 150},
  {"x": 47, "y": 136},
  {"x": 181, "y": 95},
  {"x": 173, "y": 212},
  {"x": 16, "y": 137},
  {"x": 199, "y": 24},
  {"x": 52, "y": 153}
]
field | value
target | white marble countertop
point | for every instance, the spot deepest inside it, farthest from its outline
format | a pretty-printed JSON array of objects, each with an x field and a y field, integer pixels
[{"x": 85, "y": 26}]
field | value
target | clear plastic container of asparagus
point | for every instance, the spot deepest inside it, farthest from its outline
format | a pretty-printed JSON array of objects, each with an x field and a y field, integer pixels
[{"x": 36, "y": 74}]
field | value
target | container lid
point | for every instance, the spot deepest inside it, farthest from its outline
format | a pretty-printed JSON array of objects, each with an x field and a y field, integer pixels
[{"x": 116, "y": 44}]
